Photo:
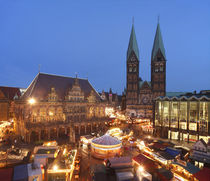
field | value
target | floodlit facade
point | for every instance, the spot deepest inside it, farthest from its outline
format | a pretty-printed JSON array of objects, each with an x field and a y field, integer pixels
[
  {"x": 185, "y": 117},
  {"x": 55, "y": 106}
]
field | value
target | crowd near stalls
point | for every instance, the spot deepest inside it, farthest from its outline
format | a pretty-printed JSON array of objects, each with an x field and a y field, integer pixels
[
  {"x": 48, "y": 162},
  {"x": 157, "y": 153}
]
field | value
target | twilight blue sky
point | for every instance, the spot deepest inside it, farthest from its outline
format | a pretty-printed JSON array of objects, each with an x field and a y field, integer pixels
[{"x": 91, "y": 37}]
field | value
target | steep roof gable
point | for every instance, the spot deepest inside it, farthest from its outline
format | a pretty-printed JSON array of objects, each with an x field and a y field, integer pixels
[
  {"x": 10, "y": 92},
  {"x": 200, "y": 142},
  {"x": 42, "y": 84},
  {"x": 133, "y": 46},
  {"x": 158, "y": 44}
]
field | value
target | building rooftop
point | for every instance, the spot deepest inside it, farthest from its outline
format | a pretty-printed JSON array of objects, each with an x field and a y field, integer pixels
[{"x": 41, "y": 85}]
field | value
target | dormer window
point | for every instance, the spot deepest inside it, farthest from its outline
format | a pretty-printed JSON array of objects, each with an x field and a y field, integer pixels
[
  {"x": 75, "y": 93},
  {"x": 52, "y": 96},
  {"x": 159, "y": 59},
  {"x": 130, "y": 69}
]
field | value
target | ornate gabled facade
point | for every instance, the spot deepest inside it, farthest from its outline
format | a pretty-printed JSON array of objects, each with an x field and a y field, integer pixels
[
  {"x": 7, "y": 97},
  {"x": 111, "y": 99},
  {"x": 140, "y": 94},
  {"x": 54, "y": 106}
]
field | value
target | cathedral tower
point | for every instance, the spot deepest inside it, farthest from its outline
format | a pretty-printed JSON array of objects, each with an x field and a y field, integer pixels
[
  {"x": 158, "y": 66},
  {"x": 132, "y": 82}
]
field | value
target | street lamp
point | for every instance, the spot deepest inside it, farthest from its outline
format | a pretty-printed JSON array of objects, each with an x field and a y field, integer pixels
[
  {"x": 31, "y": 101},
  {"x": 55, "y": 167},
  {"x": 141, "y": 169}
]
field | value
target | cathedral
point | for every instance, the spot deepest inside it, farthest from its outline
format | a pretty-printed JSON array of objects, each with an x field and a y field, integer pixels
[{"x": 140, "y": 94}]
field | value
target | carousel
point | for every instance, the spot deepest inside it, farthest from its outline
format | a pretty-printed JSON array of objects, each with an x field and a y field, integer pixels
[{"x": 105, "y": 146}]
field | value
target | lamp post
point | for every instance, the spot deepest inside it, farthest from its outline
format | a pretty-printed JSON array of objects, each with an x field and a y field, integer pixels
[{"x": 31, "y": 102}]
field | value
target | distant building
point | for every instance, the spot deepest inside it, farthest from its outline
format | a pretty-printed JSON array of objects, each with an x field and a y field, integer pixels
[
  {"x": 201, "y": 153},
  {"x": 139, "y": 93},
  {"x": 54, "y": 106},
  {"x": 7, "y": 97},
  {"x": 183, "y": 117},
  {"x": 111, "y": 99}
]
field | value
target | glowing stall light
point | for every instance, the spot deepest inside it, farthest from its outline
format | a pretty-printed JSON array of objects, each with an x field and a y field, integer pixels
[
  {"x": 141, "y": 145},
  {"x": 109, "y": 111},
  {"x": 64, "y": 151},
  {"x": 31, "y": 101},
  {"x": 140, "y": 168},
  {"x": 55, "y": 167}
]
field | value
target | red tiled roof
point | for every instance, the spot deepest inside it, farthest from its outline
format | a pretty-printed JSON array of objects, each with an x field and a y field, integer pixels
[
  {"x": 203, "y": 175},
  {"x": 6, "y": 174},
  {"x": 157, "y": 146},
  {"x": 141, "y": 159},
  {"x": 10, "y": 92}
]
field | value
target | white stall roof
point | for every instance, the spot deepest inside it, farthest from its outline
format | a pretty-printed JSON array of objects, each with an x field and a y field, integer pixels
[
  {"x": 106, "y": 140},
  {"x": 124, "y": 176}
]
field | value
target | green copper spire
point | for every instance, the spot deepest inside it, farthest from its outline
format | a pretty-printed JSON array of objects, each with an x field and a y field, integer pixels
[
  {"x": 133, "y": 46},
  {"x": 158, "y": 43}
]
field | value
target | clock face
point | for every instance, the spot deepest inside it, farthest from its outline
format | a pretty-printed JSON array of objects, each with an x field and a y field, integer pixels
[
  {"x": 133, "y": 59},
  {"x": 145, "y": 99}
]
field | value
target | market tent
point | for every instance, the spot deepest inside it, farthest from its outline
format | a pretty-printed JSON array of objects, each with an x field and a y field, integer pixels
[
  {"x": 166, "y": 155},
  {"x": 173, "y": 152},
  {"x": 120, "y": 162},
  {"x": 6, "y": 174},
  {"x": 34, "y": 171},
  {"x": 189, "y": 167},
  {"x": 124, "y": 176},
  {"x": 143, "y": 160},
  {"x": 20, "y": 173},
  {"x": 157, "y": 146},
  {"x": 164, "y": 174},
  {"x": 203, "y": 174}
]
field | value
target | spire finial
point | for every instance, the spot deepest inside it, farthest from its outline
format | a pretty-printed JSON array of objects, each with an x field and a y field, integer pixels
[
  {"x": 158, "y": 18},
  {"x": 39, "y": 68},
  {"x": 76, "y": 74},
  {"x": 133, "y": 20}
]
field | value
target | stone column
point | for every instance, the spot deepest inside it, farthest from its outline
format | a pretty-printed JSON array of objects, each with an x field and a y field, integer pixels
[
  {"x": 57, "y": 132},
  {"x": 29, "y": 137},
  {"x": 72, "y": 135},
  {"x": 169, "y": 112},
  {"x": 48, "y": 134},
  {"x": 65, "y": 131},
  {"x": 188, "y": 119},
  {"x": 178, "y": 121},
  {"x": 85, "y": 129},
  {"x": 198, "y": 119},
  {"x": 79, "y": 129},
  {"x": 91, "y": 127},
  {"x": 39, "y": 135}
]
